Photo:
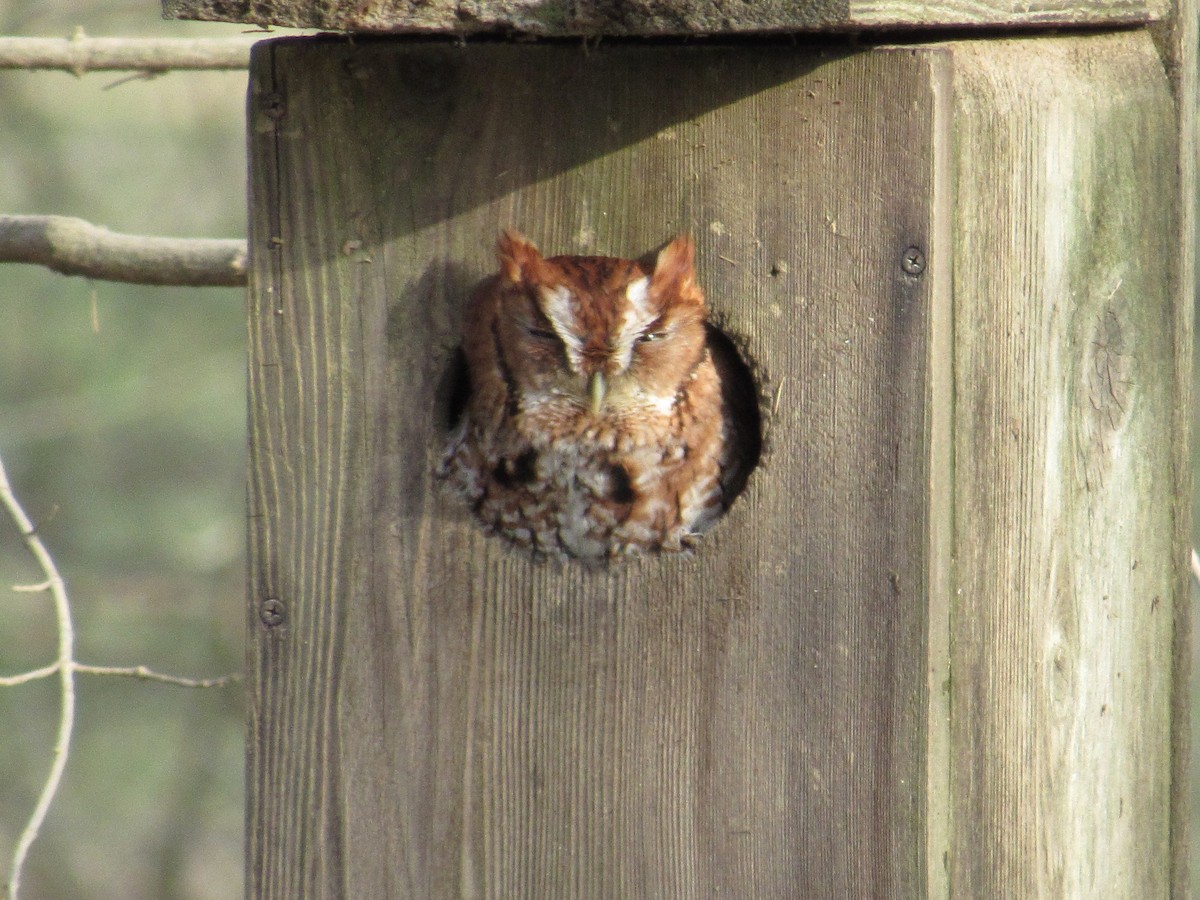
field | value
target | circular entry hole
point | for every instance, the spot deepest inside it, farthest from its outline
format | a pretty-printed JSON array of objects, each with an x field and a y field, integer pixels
[{"x": 739, "y": 393}]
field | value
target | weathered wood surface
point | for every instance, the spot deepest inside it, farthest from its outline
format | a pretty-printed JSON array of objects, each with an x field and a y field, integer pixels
[
  {"x": 574, "y": 18},
  {"x": 1178, "y": 40},
  {"x": 1066, "y": 369},
  {"x": 438, "y": 716},
  {"x": 435, "y": 716}
]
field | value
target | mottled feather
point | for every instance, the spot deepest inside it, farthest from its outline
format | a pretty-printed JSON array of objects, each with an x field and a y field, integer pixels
[{"x": 595, "y": 425}]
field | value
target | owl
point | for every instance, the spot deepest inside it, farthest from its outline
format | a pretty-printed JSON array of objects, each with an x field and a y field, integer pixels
[{"x": 596, "y": 424}]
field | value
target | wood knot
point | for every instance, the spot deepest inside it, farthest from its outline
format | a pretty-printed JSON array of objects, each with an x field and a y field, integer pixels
[
  {"x": 1107, "y": 386},
  {"x": 1106, "y": 376}
]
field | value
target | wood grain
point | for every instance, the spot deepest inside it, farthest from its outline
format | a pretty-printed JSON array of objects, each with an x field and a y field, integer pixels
[
  {"x": 903, "y": 13},
  {"x": 1178, "y": 42},
  {"x": 438, "y": 716},
  {"x": 1066, "y": 555},
  {"x": 932, "y": 651},
  {"x": 658, "y": 18}
]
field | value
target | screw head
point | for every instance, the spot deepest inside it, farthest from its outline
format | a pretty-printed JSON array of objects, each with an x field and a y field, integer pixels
[
  {"x": 273, "y": 105},
  {"x": 912, "y": 261},
  {"x": 270, "y": 611}
]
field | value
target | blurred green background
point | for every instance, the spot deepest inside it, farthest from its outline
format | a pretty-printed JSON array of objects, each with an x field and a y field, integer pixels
[{"x": 122, "y": 424}]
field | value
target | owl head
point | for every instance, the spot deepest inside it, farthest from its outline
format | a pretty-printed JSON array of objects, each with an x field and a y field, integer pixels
[{"x": 604, "y": 334}]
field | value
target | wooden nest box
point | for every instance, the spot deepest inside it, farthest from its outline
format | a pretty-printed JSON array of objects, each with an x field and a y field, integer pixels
[{"x": 938, "y": 646}]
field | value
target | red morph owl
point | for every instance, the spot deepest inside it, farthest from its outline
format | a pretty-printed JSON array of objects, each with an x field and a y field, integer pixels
[{"x": 596, "y": 424}]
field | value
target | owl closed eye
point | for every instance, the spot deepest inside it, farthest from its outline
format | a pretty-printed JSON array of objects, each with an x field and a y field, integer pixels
[{"x": 596, "y": 424}]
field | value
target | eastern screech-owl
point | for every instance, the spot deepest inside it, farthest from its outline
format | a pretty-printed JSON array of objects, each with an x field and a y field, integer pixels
[{"x": 595, "y": 424}]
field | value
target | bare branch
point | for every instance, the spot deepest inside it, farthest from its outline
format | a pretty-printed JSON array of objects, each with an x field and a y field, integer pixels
[
  {"x": 75, "y": 247},
  {"x": 31, "y": 675},
  {"x": 145, "y": 674},
  {"x": 31, "y": 588},
  {"x": 80, "y": 54},
  {"x": 65, "y": 667},
  {"x": 1195, "y": 560},
  {"x": 66, "y": 673}
]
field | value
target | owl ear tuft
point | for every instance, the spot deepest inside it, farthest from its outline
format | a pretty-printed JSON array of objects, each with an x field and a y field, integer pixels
[
  {"x": 518, "y": 256},
  {"x": 675, "y": 269}
]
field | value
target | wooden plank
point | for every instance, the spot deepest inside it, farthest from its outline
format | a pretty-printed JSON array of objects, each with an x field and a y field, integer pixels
[
  {"x": 660, "y": 18},
  {"x": 906, "y": 14},
  {"x": 936, "y": 649},
  {"x": 1067, "y": 367},
  {"x": 1178, "y": 41},
  {"x": 437, "y": 716}
]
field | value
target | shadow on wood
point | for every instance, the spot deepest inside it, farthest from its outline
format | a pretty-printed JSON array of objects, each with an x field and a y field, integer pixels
[{"x": 441, "y": 717}]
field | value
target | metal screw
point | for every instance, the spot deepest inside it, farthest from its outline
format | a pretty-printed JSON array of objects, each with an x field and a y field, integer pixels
[
  {"x": 271, "y": 612},
  {"x": 913, "y": 261},
  {"x": 273, "y": 105}
]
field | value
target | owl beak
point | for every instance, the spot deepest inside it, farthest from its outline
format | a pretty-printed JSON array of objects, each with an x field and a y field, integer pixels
[{"x": 597, "y": 388}]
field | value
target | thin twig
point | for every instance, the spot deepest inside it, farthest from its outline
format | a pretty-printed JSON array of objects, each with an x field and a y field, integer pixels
[
  {"x": 65, "y": 667},
  {"x": 1195, "y": 566},
  {"x": 142, "y": 673},
  {"x": 31, "y": 588},
  {"x": 80, "y": 54},
  {"x": 76, "y": 247},
  {"x": 32, "y": 675},
  {"x": 145, "y": 674},
  {"x": 66, "y": 652}
]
